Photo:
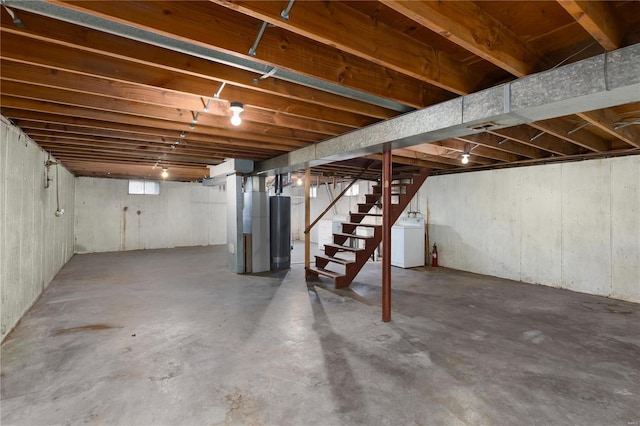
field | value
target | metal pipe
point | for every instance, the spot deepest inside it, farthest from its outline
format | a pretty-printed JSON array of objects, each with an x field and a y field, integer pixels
[
  {"x": 278, "y": 185},
  {"x": 285, "y": 12},
  {"x": 386, "y": 236},
  {"x": 331, "y": 198},
  {"x": 533, "y": 138},
  {"x": 623, "y": 124},
  {"x": 572, "y": 131},
  {"x": 219, "y": 92},
  {"x": 266, "y": 75},
  {"x": 252, "y": 51}
]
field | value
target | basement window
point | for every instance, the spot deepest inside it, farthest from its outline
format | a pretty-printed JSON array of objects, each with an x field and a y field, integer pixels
[
  {"x": 144, "y": 187},
  {"x": 353, "y": 191},
  {"x": 313, "y": 192}
]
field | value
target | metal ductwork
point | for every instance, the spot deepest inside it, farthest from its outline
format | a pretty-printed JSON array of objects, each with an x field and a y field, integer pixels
[{"x": 602, "y": 81}]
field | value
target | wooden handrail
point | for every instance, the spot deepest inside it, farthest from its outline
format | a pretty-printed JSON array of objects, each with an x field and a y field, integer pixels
[{"x": 308, "y": 228}]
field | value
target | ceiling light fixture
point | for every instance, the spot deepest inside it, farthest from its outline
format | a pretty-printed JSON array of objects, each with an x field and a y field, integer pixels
[
  {"x": 299, "y": 182},
  {"x": 165, "y": 173},
  {"x": 236, "y": 109},
  {"x": 465, "y": 158}
]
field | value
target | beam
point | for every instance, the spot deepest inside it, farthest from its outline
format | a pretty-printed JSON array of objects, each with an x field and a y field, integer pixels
[
  {"x": 204, "y": 151},
  {"x": 453, "y": 155},
  {"x": 505, "y": 144},
  {"x": 123, "y": 112},
  {"x": 534, "y": 138},
  {"x": 467, "y": 25},
  {"x": 480, "y": 152},
  {"x": 127, "y": 170},
  {"x": 170, "y": 24},
  {"x": 599, "y": 19},
  {"x": 253, "y": 118},
  {"x": 412, "y": 161},
  {"x": 30, "y": 111},
  {"x": 606, "y": 119},
  {"x": 88, "y": 40},
  {"x": 254, "y": 104},
  {"x": 192, "y": 142},
  {"x": 567, "y": 131},
  {"x": 429, "y": 152},
  {"x": 595, "y": 83},
  {"x": 360, "y": 36}
]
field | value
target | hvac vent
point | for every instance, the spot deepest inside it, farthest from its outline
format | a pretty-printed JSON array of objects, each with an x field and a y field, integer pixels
[{"x": 484, "y": 126}]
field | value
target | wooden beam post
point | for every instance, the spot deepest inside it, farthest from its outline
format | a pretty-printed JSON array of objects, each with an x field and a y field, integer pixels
[{"x": 386, "y": 237}]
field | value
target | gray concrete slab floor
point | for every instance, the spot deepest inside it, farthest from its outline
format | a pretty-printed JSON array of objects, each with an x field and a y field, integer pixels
[{"x": 170, "y": 337}]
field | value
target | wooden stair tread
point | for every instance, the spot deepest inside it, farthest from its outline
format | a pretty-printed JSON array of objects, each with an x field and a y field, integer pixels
[
  {"x": 334, "y": 259},
  {"x": 402, "y": 176},
  {"x": 369, "y": 225},
  {"x": 393, "y": 184},
  {"x": 345, "y": 248},
  {"x": 360, "y": 237},
  {"x": 366, "y": 214},
  {"x": 325, "y": 272},
  {"x": 369, "y": 205}
]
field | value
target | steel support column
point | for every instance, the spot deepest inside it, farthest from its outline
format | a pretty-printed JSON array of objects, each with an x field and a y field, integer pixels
[
  {"x": 307, "y": 217},
  {"x": 386, "y": 236}
]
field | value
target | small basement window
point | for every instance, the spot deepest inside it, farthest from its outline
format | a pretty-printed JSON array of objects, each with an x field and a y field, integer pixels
[
  {"x": 144, "y": 187},
  {"x": 353, "y": 191},
  {"x": 313, "y": 192}
]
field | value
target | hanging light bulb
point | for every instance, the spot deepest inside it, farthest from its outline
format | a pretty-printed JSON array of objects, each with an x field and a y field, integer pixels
[
  {"x": 236, "y": 109},
  {"x": 165, "y": 173},
  {"x": 299, "y": 182},
  {"x": 465, "y": 158}
]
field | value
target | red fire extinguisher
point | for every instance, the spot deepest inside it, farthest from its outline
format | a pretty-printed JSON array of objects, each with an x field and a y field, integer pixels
[{"x": 434, "y": 256}]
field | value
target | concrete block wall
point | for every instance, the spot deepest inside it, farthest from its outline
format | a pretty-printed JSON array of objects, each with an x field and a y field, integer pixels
[
  {"x": 34, "y": 243},
  {"x": 570, "y": 225},
  {"x": 183, "y": 214}
]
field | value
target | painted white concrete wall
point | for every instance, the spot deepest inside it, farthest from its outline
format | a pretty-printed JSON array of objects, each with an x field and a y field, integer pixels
[
  {"x": 572, "y": 225},
  {"x": 34, "y": 243},
  {"x": 318, "y": 204},
  {"x": 183, "y": 214}
]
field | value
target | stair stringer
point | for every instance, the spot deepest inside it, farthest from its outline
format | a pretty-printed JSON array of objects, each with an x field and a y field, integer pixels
[{"x": 362, "y": 256}]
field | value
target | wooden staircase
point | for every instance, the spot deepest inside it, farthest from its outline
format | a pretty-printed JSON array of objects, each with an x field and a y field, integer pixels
[{"x": 342, "y": 271}]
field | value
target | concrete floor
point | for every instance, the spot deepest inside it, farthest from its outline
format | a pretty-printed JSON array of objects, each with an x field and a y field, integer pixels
[{"x": 171, "y": 337}]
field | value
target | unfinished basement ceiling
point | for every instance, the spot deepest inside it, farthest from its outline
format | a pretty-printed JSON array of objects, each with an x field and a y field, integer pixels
[{"x": 119, "y": 89}]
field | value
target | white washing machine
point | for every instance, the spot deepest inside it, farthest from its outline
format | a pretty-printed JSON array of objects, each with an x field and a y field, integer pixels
[{"x": 407, "y": 242}]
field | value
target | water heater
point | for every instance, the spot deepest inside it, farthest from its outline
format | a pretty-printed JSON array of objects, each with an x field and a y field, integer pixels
[{"x": 280, "y": 232}]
